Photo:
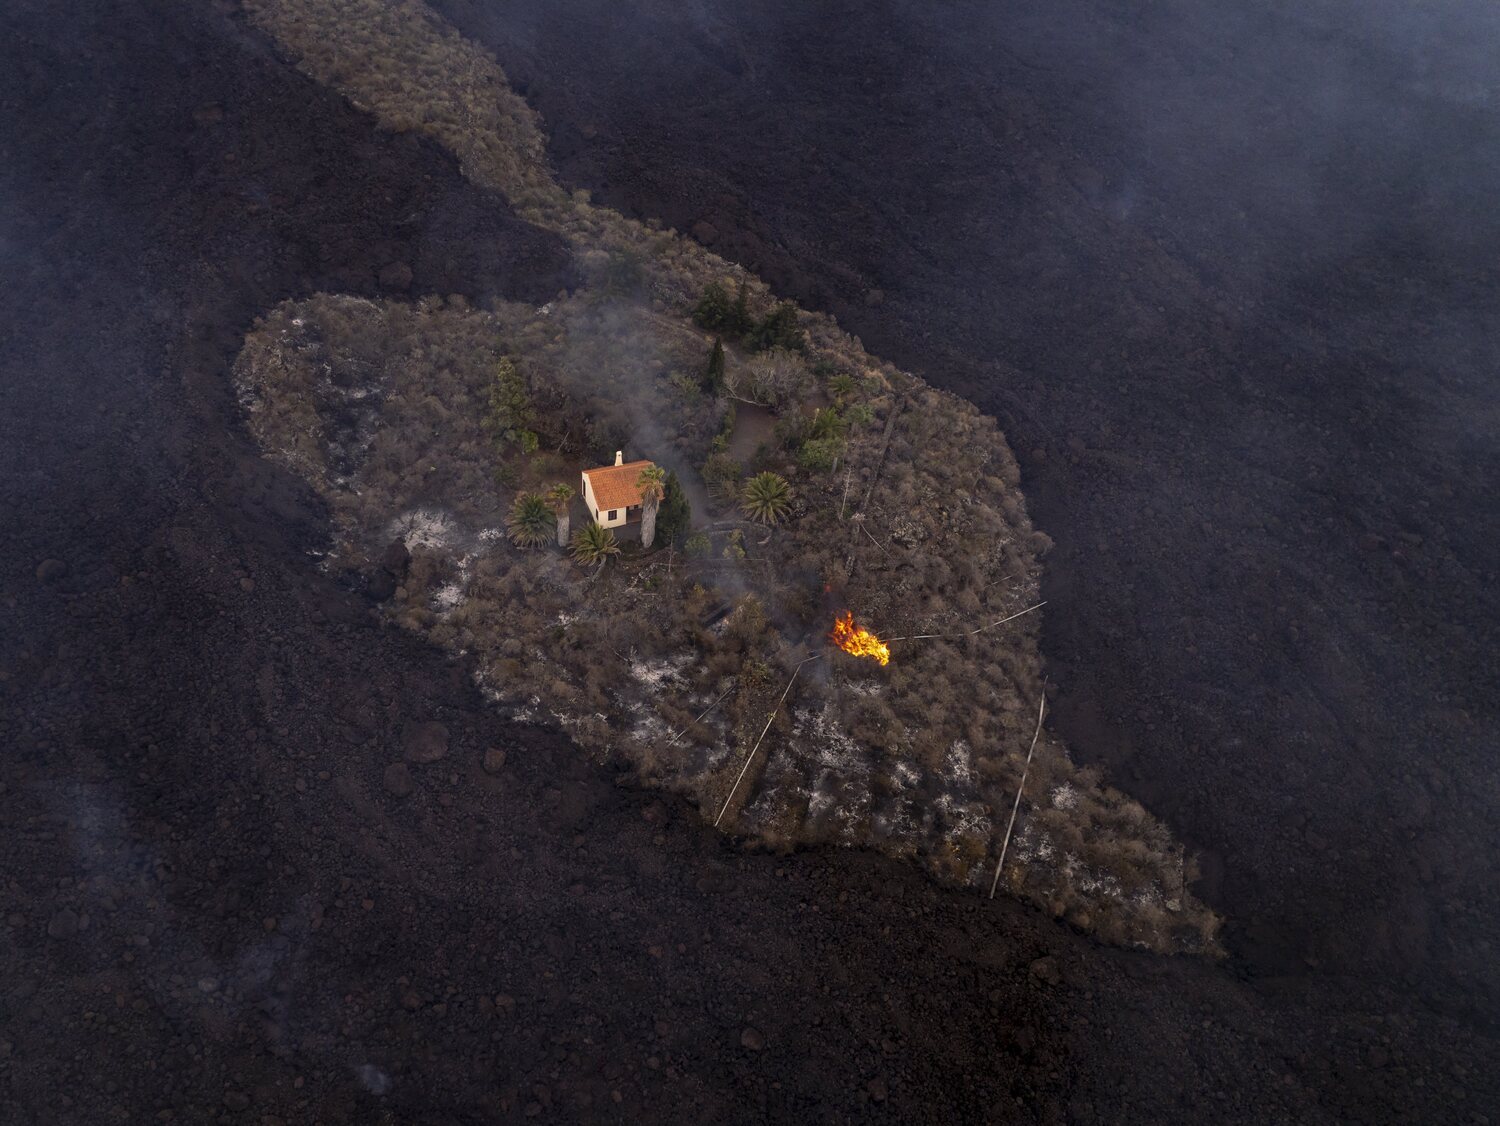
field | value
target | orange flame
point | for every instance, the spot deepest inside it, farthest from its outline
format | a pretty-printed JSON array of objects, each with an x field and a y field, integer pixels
[{"x": 860, "y": 642}]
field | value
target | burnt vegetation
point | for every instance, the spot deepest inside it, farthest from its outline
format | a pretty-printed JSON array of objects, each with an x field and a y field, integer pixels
[
  {"x": 866, "y": 488},
  {"x": 805, "y": 476}
]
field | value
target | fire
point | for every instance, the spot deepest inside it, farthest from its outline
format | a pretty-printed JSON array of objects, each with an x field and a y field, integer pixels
[{"x": 861, "y": 642}]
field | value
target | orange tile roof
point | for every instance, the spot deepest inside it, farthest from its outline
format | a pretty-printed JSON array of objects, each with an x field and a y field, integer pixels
[{"x": 616, "y": 486}]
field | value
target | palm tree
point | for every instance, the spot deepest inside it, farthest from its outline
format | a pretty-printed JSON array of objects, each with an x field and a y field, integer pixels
[
  {"x": 766, "y": 497},
  {"x": 559, "y": 497},
  {"x": 827, "y": 423},
  {"x": 594, "y": 544},
  {"x": 841, "y": 386},
  {"x": 653, "y": 485},
  {"x": 530, "y": 521}
]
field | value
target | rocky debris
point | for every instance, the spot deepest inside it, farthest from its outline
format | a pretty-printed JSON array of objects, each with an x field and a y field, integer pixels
[
  {"x": 494, "y": 760},
  {"x": 50, "y": 570},
  {"x": 395, "y": 275},
  {"x": 1047, "y": 971},
  {"x": 424, "y": 742},
  {"x": 397, "y": 780},
  {"x": 396, "y": 559},
  {"x": 384, "y": 579},
  {"x": 876, "y": 1089},
  {"x": 380, "y": 584},
  {"x": 64, "y": 924},
  {"x": 752, "y": 1040}
]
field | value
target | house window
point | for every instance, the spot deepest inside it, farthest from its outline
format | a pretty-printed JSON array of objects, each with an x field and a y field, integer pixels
[{"x": 612, "y": 513}]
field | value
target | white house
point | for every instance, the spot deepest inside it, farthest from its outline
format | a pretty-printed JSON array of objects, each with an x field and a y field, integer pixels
[{"x": 613, "y": 492}]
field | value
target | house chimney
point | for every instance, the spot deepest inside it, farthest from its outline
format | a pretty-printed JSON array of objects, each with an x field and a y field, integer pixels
[{"x": 619, "y": 457}]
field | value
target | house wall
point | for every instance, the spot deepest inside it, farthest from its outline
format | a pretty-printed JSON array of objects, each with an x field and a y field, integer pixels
[{"x": 593, "y": 507}]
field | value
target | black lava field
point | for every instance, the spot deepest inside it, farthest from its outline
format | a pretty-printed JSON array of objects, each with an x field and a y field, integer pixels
[{"x": 1228, "y": 281}]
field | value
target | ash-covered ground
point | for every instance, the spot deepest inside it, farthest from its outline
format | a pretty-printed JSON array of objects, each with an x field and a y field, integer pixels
[{"x": 223, "y": 902}]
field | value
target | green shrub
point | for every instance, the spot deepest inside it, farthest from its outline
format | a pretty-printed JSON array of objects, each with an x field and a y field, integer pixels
[
  {"x": 624, "y": 272},
  {"x": 717, "y": 313},
  {"x": 779, "y": 329},
  {"x": 722, "y": 474},
  {"x": 819, "y": 454},
  {"x": 687, "y": 387}
]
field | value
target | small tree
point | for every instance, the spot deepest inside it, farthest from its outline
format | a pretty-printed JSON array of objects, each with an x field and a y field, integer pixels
[
  {"x": 766, "y": 497},
  {"x": 676, "y": 514},
  {"x": 770, "y": 379},
  {"x": 512, "y": 417},
  {"x": 530, "y": 522},
  {"x": 740, "y": 320},
  {"x": 779, "y": 330},
  {"x": 819, "y": 454},
  {"x": 559, "y": 500},
  {"x": 713, "y": 310},
  {"x": 713, "y": 375},
  {"x": 653, "y": 485},
  {"x": 594, "y": 544}
]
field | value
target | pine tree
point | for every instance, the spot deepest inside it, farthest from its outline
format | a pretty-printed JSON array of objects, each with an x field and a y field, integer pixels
[
  {"x": 713, "y": 310},
  {"x": 740, "y": 320},
  {"x": 676, "y": 513},
  {"x": 779, "y": 330},
  {"x": 713, "y": 376},
  {"x": 511, "y": 417}
]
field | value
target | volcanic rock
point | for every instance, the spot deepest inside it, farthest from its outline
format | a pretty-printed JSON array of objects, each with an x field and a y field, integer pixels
[
  {"x": 1047, "y": 970},
  {"x": 494, "y": 760},
  {"x": 64, "y": 924},
  {"x": 752, "y": 1040},
  {"x": 381, "y": 584},
  {"x": 50, "y": 570},
  {"x": 396, "y": 559},
  {"x": 397, "y": 780},
  {"x": 395, "y": 275},
  {"x": 424, "y": 742}
]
